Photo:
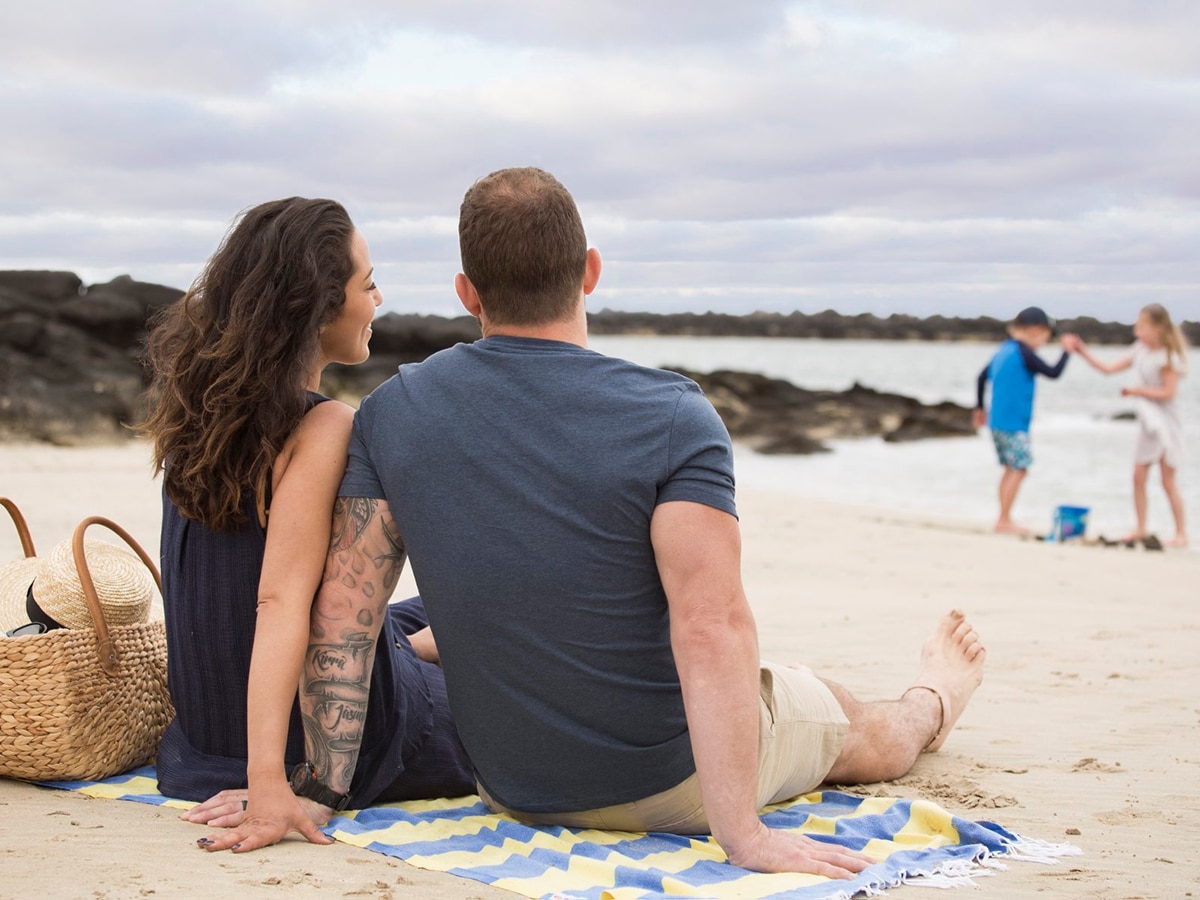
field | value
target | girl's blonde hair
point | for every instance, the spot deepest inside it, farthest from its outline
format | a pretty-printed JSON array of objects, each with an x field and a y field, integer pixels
[{"x": 1172, "y": 336}]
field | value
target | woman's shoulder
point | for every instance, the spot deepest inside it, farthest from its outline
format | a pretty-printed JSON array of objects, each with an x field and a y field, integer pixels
[
  {"x": 324, "y": 432},
  {"x": 326, "y": 417}
]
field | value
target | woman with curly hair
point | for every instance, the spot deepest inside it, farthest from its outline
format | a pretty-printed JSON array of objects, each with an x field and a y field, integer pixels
[{"x": 251, "y": 457}]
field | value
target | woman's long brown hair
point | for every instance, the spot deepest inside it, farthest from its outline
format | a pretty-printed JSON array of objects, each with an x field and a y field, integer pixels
[{"x": 231, "y": 359}]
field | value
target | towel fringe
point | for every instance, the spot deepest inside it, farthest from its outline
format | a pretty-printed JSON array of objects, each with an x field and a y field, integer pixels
[
  {"x": 1027, "y": 849},
  {"x": 957, "y": 873},
  {"x": 953, "y": 873}
]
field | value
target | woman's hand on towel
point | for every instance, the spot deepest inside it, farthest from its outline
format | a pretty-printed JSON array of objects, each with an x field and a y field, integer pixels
[
  {"x": 261, "y": 818},
  {"x": 224, "y": 810},
  {"x": 771, "y": 850}
]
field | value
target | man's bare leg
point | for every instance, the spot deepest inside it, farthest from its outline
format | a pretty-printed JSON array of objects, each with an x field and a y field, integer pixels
[{"x": 885, "y": 738}]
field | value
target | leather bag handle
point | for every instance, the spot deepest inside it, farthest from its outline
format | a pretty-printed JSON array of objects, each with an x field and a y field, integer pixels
[
  {"x": 104, "y": 645},
  {"x": 22, "y": 527}
]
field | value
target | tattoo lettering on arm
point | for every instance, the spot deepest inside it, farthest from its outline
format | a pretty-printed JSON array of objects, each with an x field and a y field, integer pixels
[
  {"x": 366, "y": 558},
  {"x": 338, "y": 688}
]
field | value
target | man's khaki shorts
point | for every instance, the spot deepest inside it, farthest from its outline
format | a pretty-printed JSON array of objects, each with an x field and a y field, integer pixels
[{"x": 801, "y": 731}]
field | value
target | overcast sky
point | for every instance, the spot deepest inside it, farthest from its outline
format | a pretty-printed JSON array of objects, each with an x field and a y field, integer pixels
[{"x": 919, "y": 156}]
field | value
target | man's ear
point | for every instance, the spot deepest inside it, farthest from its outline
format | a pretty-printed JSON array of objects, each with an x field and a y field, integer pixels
[
  {"x": 467, "y": 295},
  {"x": 591, "y": 270}
]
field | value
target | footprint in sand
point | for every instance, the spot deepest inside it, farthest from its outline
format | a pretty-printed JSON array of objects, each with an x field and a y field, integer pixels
[{"x": 1091, "y": 764}]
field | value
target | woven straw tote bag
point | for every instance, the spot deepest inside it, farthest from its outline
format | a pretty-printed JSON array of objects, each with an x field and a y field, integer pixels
[{"x": 89, "y": 700}]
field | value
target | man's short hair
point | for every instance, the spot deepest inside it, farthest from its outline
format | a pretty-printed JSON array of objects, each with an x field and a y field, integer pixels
[{"x": 523, "y": 246}]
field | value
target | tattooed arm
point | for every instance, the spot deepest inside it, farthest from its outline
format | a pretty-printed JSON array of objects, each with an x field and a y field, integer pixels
[
  {"x": 366, "y": 557},
  {"x": 306, "y": 477}
]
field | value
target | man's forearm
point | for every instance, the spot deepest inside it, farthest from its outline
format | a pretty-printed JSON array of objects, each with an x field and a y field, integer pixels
[
  {"x": 719, "y": 672},
  {"x": 365, "y": 559}
]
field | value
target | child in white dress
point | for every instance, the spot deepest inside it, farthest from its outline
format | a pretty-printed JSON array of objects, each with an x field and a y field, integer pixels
[{"x": 1158, "y": 359}]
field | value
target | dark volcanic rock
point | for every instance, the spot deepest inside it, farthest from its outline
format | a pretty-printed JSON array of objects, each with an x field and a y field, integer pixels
[
  {"x": 40, "y": 286},
  {"x": 69, "y": 369},
  {"x": 70, "y": 366},
  {"x": 775, "y": 416},
  {"x": 941, "y": 420},
  {"x": 831, "y": 325}
]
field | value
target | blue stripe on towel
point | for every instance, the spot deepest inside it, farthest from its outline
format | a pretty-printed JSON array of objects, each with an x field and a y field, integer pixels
[{"x": 910, "y": 838}]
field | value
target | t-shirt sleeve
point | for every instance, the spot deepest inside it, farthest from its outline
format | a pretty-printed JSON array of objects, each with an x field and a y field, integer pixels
[
  {"x": 700, "y": 458},
  {"x": 361, "y": 479}
]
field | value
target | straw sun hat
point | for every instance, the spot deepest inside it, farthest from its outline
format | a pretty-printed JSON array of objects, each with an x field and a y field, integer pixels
[{"x": 123, "y": 584}]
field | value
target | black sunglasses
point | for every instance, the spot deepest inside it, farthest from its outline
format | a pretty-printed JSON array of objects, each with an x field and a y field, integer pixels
[{"x": 27, "y": 629}]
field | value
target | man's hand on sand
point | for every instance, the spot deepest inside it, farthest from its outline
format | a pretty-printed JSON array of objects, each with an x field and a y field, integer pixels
[
  {"x": 770, "y": 850},
  {"x": 274, "y": 815}
]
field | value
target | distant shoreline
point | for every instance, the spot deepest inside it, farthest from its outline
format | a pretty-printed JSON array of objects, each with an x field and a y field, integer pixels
[
  {"x": 71, "y": 367},
  {"x": 830, "y": 325}
]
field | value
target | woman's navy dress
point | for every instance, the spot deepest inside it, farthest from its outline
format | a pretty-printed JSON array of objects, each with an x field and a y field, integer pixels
[{"x": 410, "y": 747}]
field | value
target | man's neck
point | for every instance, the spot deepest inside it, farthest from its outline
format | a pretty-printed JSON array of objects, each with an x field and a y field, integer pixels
[{"x": 568, "y": 331}]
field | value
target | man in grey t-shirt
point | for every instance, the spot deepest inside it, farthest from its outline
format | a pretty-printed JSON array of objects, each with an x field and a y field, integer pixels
[{"x": 571, "y": 523}]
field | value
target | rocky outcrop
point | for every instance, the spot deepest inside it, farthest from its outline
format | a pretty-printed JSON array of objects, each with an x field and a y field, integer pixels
[
  {"x": 70, "y": 354},
  {"x": 775, "y": 416},
  {"x": 830, "y": 325},
  {"x": 70, "y": 371}
]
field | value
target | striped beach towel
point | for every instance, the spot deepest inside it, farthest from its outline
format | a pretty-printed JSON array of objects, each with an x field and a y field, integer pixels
[{"x": 912, "y": 839}]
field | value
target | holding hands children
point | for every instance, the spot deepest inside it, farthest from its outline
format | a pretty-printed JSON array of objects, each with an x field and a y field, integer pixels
[{"x": 1158, "y": 358}]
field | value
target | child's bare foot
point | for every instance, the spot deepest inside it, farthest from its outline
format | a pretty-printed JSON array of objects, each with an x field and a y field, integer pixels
[
  {"x": 1178, "y": 542},
  {"x": 952, "y": 668},
  {"x": 1008, "y": 526}
]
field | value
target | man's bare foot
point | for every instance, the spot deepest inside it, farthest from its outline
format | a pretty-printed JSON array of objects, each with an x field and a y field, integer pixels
[
  {"x": 1008, "y": 526},
  {"x": 951, "y": 667}
]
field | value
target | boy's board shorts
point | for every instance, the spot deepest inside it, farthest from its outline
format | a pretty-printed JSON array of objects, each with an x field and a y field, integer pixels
[{"x": 1013, "y": 448}]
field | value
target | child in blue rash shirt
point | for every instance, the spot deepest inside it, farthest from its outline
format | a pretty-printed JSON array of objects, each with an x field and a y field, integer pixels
[{"x": 1012, "y": 371}]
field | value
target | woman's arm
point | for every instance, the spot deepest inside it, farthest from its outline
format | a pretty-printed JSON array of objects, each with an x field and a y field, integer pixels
[
  {"x": 1108, "y": 368},
  {"x": 1170, "y": 384},
  {"x": 306, "y": 479}
]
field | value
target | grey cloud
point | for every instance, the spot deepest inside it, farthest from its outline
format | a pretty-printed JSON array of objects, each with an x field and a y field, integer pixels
[
  {"x": 623, "y": 23},
  {"x": 981, "y": 152},
  {"x": 215, "y": 47}
]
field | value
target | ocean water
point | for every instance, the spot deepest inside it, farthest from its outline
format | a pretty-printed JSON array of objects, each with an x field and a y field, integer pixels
[{"x": 1082, "y": 455}]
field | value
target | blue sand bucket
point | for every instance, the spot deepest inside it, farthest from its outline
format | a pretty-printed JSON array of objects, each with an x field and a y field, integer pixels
[{"x": 1069, "y": 522}]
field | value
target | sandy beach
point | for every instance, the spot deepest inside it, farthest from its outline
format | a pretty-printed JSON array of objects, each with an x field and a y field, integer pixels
[{"x": 1085, "y": 729}]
